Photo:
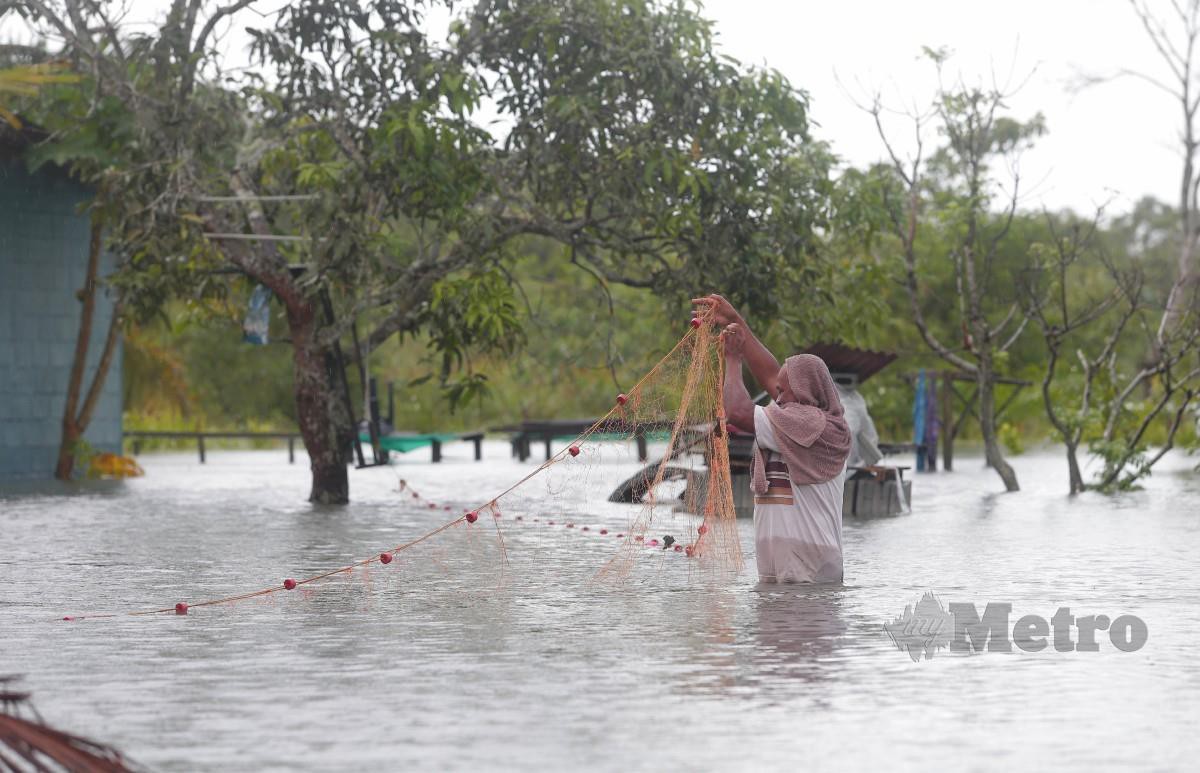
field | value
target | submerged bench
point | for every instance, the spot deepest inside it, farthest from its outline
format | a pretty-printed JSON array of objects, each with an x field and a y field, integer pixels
[
  {"x": 526, "y": 433},
  {"x": 137, "y": 436},
  {"x": 403, "y": 442}
]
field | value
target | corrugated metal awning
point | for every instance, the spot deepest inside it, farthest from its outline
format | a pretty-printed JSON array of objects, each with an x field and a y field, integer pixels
[{"x": 840, "y": 358}]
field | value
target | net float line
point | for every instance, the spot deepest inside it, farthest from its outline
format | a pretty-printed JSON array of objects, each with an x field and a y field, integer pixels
[
  {"x": 580, "y": 529},
  {"x": 573, "y": 449}
]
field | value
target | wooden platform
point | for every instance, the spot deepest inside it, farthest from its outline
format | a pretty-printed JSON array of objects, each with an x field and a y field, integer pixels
[
  {"x": 545, "y": 431},
  {"x": 137, "y": 436},
  {"x": 403, "y": 442}
]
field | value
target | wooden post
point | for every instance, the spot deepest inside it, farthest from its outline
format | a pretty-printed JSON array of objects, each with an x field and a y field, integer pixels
[
  {"x": 436, "y": 445},
  {"x": 137, "y": 446},
  {"x": 200, "y": 445},
  {"x": 947, "y": 421},
  {"x": 641, "y": 446},
  {"x": 291, "y": 449},
  {"x": 478, "y": 448},
  {"x": 546, "y": 438}
]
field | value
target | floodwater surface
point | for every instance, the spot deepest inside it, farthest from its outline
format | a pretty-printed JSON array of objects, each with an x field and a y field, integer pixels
[{"x": 451, "y": 658}]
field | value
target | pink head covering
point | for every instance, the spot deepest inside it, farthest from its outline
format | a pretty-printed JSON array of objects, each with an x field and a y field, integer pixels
[{"x": 812, "y": 434}]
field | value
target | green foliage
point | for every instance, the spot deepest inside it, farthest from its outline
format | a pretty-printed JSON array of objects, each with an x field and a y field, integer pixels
[
  {"x": 28, "y": 80},
  {"x": 1011, "y": 437},
  {"x": 475, "y": 312},
  {"x": 524, "y": 207},
  {"x": 194, "y": 372},
  {"x": 136, "y": 168}
]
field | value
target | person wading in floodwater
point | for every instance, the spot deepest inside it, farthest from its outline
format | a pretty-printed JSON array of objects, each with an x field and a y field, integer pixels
[{"x": 801, "y": 442}]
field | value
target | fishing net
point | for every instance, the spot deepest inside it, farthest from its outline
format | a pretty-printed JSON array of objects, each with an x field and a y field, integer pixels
[{"x": 671, "y": 509}]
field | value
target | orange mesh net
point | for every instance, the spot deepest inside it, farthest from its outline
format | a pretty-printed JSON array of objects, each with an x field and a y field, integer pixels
[{"x": 683, "y": 489}]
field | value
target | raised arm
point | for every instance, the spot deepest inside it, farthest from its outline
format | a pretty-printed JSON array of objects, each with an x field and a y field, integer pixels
[
  {"x": 739, "y": 408},
  {"x": 763, "y": 365}
]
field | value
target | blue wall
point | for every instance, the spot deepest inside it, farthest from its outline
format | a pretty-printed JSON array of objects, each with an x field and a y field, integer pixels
[{"x": 43, "y": 261}]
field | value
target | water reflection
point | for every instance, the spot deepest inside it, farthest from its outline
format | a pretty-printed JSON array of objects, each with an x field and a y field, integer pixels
[{"x": 797, "y": 626}]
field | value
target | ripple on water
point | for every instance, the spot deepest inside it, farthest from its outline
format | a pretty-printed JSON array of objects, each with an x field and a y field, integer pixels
[{"x": 441, "y": 660}]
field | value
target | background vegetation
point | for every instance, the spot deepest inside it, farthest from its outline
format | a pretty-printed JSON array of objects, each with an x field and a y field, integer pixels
[{"x": 535, "y": 265}]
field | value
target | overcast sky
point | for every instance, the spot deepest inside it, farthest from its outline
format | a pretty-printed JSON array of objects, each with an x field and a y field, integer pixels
[{"x": 1113, "y": 142}]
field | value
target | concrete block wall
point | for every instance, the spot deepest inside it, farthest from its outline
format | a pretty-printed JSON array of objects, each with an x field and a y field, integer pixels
[{"x": 43, "y": 261}]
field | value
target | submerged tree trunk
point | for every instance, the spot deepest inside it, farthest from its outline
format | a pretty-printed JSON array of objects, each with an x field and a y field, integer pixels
[
  {"x": 1077, "y": 486},
  {"x": 319, "y": 411},
  {"x": 75, "y": 419},
  {"x": 987, "y": 425}
]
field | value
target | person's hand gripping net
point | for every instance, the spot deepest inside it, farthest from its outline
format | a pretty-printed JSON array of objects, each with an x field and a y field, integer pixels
[
  {"x": 734, "y": 339},
  {"x": 723, "y": 313}
]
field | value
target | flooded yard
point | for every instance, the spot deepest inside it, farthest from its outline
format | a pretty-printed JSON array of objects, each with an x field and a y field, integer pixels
[{"x": 451, "y": 660}]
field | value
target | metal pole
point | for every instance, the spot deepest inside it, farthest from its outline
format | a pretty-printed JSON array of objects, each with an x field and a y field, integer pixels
[
  {"x": 374, "y": 394},
  {"x": 372, "y": 430},
  {"x": 340, "y": 363}
]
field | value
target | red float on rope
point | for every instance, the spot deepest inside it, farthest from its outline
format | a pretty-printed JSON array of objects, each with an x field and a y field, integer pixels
[
  {"x": 603, "y": 532},
  {"x": 181, "y": 608},
  {"x": 691, "y": 551},
  {"x": 622, "y": 399},
  {"x": 573, "y": 450},
  {"x": 472, "y": 517},
  {"x": 385, "y": 558},
  {"x": 679, "y": 548},
  {"x": 696, "y": 322},
  {"x": 289, "y": 584},
  {"x": 702, "y": 529}
]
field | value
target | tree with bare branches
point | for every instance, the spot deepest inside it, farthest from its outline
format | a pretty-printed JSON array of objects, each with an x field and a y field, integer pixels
[
  {"x": 1174, "y": 34},
  {"x": 1050, "y": 297},
  {"x": 952, "y": 192},
  {"x": 1162, "y": 385}
]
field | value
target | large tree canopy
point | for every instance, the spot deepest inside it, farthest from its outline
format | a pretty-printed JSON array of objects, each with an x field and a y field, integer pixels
[
  {"x": 612, "y": 128},
  {"x": 419, "y": 165}
]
